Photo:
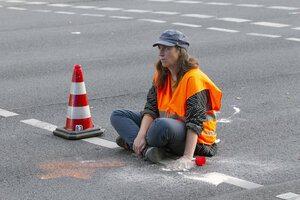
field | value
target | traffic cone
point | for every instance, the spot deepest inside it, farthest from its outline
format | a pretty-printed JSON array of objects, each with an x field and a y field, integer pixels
[{"x": 79, "y": 121}]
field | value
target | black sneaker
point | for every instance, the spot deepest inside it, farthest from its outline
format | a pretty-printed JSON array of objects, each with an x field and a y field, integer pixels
[
  {"x": 154, "y": 154},
  {"x": 121, "y": 143}
]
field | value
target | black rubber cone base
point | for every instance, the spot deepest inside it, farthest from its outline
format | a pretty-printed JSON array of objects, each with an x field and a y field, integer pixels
[{"x": 77, "y": 135}]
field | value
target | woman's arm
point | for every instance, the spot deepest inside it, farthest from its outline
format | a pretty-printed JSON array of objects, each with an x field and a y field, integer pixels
[{"x": 140, "y": 141}]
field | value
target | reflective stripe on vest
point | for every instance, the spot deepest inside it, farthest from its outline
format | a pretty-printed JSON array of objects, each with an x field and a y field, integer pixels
[{"x": 174, "y": 105}]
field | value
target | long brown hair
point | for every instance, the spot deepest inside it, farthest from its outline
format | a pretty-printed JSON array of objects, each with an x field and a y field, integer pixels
[{"x": 184, "y": 63}]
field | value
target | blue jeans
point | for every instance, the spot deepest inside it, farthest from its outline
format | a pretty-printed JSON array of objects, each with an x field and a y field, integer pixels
[{"x": 163, "y": 132}]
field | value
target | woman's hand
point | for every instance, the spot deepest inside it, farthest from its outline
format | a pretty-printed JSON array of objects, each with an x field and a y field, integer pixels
[
  {"x": 183, "y": 163},
  {"x": 139, "y": 144}
]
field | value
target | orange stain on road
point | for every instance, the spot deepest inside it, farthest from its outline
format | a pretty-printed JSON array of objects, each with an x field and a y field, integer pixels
[{"x": 80, "y": 170}]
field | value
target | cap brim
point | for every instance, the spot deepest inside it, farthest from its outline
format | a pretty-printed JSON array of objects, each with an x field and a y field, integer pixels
[{"x": 164, "y": 43}]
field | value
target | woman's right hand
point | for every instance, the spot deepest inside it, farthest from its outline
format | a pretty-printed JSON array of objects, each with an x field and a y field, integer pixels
[{"x": 139, "y": 144}]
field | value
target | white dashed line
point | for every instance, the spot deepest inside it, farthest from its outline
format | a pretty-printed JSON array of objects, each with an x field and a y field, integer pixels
[
  {"x": 59, "y": 5},
  {"x": 109, "y": 9},
  {"x": 153, "y": 20},
  {"x": 218, "y": 178},
  {"x": 161, "y": 0},
  {"x": 15, "y": 1},
  {"x": 198, "y": 16},
  {"x": 5, "y": 113},
  {"x": 65, "y": 13},
  {"x": 189, "y": 2},
  {"x": 85, "y": 7},
  {"x": 43, "y": 11},
  {"x": 230, "y": 19},
  {"x": 264, "y": 35},
  {"x": 165, "y": 13},
  {"x": 270, "y": 24},
  {"x": 40, "y": 124},
  {"x": 289, "y": 196},
  {"x": 92, "y": 15},
  {"x": 223, "y": 30},
  {"x": 16, "y": 8},
  {"x": 1, "y": 6},
  {"x": 101, "y": 142},
  {"x": 218, "y": 4},
  {"x": 283, "y": 8},
  {"x": 188, "y": 25},
  {"x": 36, "y": 3},
  {"x": 293, "y": 39},
  {"x": 121, "y": 17},
  {"x": 136, "y": 11},
  {"x": 297, "y": 28},
  {"x": 250, "y": 5},
  {"x": 51, "y": 127}
]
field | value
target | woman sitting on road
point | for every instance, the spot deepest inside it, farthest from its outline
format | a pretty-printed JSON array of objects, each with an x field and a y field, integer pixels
[{"x": 179, "y": 113}]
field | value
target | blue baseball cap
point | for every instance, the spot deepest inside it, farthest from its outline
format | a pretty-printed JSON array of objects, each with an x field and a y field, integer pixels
[{"x": 173, "y": 38}]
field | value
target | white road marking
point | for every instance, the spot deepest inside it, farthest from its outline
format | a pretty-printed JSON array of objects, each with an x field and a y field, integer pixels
[
  {"x": 59, "y": 5},
  {"x": 283, "y": 8},
  {"x": 6, "y": 113},
  {"x": 223, "y": 30},
  {"x": 188, "y": 25},
  {"x": 65, "y": 12},
  {"x": 218, "y": 3},
  {"x": 136, "y": 11},
  {"x": 75, "y": 33},
  {"x": 40, "y": 124},
  {"x": 270, "y": 24},
  {"x": 16, "y": 8},
  {"x": 85, "y": 7},
  {"x": 218, "y": 178},
  {"x": 101, "y": 142},
  {"x": 42, "y": 11},
  {"x": 230, "y": 19},
  {"x": 297, "y": 28},
  {"x": 36, "y": 3},
  {"x": 198, "y": 16},
  {"x": 14, "y": 1},
  {"x": 1, "y": 6},
  {"x": 108, "y": 9},
  {"x": 92, "y": 15},
  {"x": 121, "y": 17},
  {"x": 166, "y": 13},
  {"x": 264, "y": 35},
  {"x": 250, "y": 5},
  {"x": 293, "y": 39},
  {"x": 153, "y": 20},
  {"x": 161, "y": 0},
  {"x": 51, "y": 127},
  {"x": 189, "y": 2},
  {"x": 289, "y": 196}
]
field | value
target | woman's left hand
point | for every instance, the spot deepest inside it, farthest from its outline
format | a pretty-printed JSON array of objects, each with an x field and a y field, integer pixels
[{"x": 183, "y": 163}]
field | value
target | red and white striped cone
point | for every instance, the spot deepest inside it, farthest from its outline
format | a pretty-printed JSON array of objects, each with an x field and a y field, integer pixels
[{"x": 79, "y": 121}]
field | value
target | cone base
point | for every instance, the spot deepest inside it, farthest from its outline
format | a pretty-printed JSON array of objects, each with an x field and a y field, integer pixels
[{"x": 77, "y": 135}]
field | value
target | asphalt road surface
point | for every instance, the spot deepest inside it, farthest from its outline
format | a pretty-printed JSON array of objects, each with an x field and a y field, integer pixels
[{"x": 250, "y": 49}]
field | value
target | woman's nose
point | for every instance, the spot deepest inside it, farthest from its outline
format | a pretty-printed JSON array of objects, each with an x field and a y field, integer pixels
[{"x": 161, "y": 52}]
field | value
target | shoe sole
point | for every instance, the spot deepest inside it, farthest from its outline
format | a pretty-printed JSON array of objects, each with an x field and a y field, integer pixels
[{"x": 155, "y": 155}]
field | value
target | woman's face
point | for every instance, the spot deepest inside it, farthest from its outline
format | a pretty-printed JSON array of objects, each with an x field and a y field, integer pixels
[{"x": 168, "y": 55}]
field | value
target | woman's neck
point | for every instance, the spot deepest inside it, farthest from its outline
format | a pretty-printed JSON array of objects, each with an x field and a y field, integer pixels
[{"x": 173, "y": 72}]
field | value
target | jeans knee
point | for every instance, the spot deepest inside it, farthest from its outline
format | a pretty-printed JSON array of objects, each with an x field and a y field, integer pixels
[
  {"x": 115, "y": 115},
  {"x": 158, "y": 132}
]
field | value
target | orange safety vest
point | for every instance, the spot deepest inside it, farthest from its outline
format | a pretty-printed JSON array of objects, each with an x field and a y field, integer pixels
[{"x": 174, "y": 105}]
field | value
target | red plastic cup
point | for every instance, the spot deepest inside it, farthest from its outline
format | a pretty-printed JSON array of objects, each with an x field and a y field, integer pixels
[{"x": 200, "y": 160}]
